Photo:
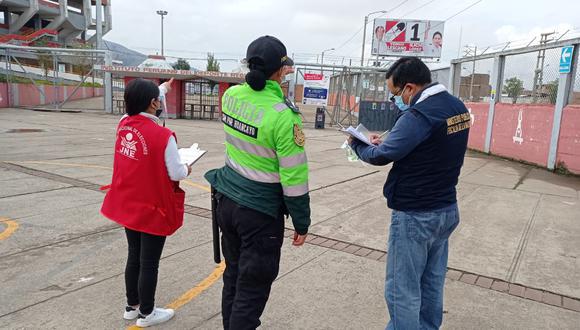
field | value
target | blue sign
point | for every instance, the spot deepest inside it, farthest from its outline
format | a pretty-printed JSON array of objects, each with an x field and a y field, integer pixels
[
  {"x": 566, "y": 59},
  {"x": 315, "y": 93}
]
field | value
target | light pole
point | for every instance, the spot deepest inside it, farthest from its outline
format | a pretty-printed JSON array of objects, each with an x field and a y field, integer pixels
[
  {"x": 362, "y": 57},
  {"x": 322, "y": 56},
  {"x": 162, "y": 13}
]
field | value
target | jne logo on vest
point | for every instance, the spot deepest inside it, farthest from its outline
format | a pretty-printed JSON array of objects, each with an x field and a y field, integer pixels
[
  {"x": 128, "y": 146},
  {"x": 130, "y": 137}
]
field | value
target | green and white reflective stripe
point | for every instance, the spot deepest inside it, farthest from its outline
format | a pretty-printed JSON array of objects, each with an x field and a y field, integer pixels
[
  {"x": 250, "y": 147},
  {"x": 294, "y": 191},
  {"x": 251, "y": 174},
  {"x": 280, "y": 107},
  {"x": 294, "y": 160}
]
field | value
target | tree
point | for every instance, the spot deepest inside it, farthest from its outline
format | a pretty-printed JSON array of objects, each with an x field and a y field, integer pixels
[
  {"x": 514, "y": 87},
  {"x": 45, "y": 59},
  {"x": 181, "y": 64},
  {"x": 552, "y": 89},
  {"x": 46, "y": 62},
  {"x": 212, "y": 63}
]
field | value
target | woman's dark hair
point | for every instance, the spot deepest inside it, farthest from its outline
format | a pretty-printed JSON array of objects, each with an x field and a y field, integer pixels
[
  {"x": 138, "y": 95},
  {"x": 409, "y": 70},
  {"x": 379, "y": 27},
  {"x": 258, "y": 75},
  {"x": 437, "y": 33}
]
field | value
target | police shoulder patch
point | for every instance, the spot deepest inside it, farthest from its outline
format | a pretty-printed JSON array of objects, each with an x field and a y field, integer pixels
[{"x": 299, "y": 137}]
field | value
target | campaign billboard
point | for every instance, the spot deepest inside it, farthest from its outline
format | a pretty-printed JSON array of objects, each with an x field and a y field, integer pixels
[
  {"x": 316, "y": 89},
  {"x": 407, "y": 37}
]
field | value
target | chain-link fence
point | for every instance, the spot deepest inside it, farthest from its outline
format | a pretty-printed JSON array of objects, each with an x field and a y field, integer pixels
[
  {"x": 531, "y": 88},
  {"x": 51, "y": 77},
  {"x": 474, "y": 85},
  {"x": 531, "y": 78},
  {"x": 575, "y": 90}
]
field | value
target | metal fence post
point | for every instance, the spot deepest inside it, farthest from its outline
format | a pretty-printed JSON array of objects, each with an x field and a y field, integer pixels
[
  {"x": 496, "y": 86},
  {"x": 562, "y": 98},
  {"x": 54, "y": 77},
  {"x": 8, "y": 70},
  {"x": 108, "y": 85},
  {"x": 455, "y": 79}
]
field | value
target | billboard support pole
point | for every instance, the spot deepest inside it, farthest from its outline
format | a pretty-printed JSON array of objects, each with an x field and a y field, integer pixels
[{"x": 362, "y": 57}]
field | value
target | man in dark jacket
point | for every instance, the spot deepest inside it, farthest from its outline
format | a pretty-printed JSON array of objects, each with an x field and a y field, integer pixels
[{"x": 427, "y": 146}]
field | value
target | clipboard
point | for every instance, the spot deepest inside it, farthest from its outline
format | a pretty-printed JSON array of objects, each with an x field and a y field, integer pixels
[
  {"x": 356, "y": 134},
  {"x": 191, "y": 155}
]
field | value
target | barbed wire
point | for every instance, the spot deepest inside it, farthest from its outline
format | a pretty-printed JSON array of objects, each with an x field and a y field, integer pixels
[{"x": 519, "y": 43}]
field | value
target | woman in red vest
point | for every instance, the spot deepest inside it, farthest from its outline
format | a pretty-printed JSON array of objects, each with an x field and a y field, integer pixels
[{"x": 144, "y": 196}]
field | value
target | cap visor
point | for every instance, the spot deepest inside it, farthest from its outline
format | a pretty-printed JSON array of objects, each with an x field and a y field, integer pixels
[{"x": 288, "y": 62}]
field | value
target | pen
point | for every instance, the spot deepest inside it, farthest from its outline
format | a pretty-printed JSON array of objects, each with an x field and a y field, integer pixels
[{"x": 384, "y": 133}]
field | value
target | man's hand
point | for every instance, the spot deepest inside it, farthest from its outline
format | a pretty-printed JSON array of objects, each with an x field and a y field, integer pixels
[
  {"x": 349, "y": 139},
  {"x": 375, "y": 139},
  {"x": 299, "y": 239},
  {"x": 188, "y": 169}
]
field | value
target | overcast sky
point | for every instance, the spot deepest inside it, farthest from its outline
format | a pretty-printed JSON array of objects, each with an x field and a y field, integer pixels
[{"x": 307, "y": 27}]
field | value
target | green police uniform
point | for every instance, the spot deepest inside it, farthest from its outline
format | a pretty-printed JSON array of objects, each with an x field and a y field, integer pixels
[{"x": 266, "y": 166}]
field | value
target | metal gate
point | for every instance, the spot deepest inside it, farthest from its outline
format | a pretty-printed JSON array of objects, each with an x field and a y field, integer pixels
[
  {"x": 201, "y": 99},
  {"x": 352, "y": 93},
  {"x": 55, "y": 75},
  {"x": 118, "y": 95}
]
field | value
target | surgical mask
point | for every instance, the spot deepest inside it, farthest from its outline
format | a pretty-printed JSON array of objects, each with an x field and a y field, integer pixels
[{"x": 400, "y": 104}]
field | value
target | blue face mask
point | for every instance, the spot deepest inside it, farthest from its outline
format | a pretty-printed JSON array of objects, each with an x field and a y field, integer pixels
[{"x": 400, "y": 104}]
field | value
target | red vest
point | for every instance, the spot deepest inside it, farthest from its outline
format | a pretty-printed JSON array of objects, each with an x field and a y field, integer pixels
[{"x": 142, "y": 197}]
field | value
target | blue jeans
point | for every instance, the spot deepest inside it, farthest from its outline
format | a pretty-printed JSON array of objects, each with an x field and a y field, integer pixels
[{"x": 416, "y": 267}]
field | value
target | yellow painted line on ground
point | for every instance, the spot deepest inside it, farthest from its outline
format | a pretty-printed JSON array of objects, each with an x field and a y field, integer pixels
[
  {"x": 65, "y": 164},
  {"x": 199, "y": 186},
  {"x": 11, "y": 227},
  {"x": 195, "y": 291}
]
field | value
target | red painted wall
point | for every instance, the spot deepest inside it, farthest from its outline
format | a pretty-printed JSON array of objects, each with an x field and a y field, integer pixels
[
  {"x": 4, "y": 95},
  {"x": 222, "y": 87},
  {"x": 569, "y": 140},
  {"x": 536, "y": 130},
  {"x": 479, "y": 114},
  {"x": 29, "y": 95}
]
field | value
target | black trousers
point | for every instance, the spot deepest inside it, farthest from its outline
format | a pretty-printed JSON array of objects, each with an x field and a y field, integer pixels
[
  {"x": 251, "y": 243},
  {"x": 142, "y": 268}
]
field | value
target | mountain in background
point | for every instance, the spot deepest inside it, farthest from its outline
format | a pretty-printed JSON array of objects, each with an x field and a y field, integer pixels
[{"x": 121, "y": 53}]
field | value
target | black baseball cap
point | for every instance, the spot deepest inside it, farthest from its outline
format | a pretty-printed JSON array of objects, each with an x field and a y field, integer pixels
[{"x": 267, "y": 54}]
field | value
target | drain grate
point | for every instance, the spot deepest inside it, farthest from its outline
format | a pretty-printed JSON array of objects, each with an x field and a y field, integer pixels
[{"x": 24, "y": 130}]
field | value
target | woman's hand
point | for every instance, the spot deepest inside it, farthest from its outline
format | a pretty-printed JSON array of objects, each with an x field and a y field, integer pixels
[{"x": 168, "y": 84}]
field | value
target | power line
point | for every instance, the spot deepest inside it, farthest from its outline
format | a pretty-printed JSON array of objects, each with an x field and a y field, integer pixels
[
  {"x": 420, "y": 7},
  {"x": 362, "y": 27},
  {"x": 461, "y": 11}
]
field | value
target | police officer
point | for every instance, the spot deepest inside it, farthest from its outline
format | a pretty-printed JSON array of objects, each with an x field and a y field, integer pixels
[{"x": 265, "y": 177}]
